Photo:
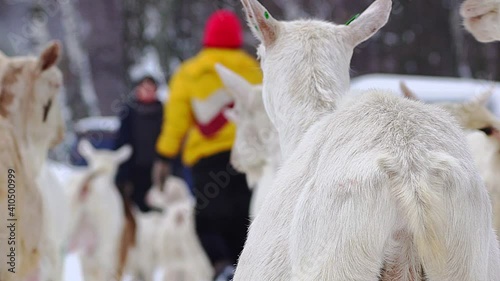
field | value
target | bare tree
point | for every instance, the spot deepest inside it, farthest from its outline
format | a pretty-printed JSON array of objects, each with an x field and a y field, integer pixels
[{"x": 78, "y": 57}]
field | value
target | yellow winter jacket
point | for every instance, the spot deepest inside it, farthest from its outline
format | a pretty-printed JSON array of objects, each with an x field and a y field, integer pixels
[{"x": 194, "y": 111}]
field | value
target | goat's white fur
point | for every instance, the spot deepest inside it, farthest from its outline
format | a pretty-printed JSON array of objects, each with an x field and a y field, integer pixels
[
  {"x": 99, "y": 211},
  {"x": 180, "y": 254},
  {"x": 366, "y": 181},
  {"x": 256, "y": 151},
  {"x": 56, "y": 225},
  {"x": 143, "y": 257},
  {"x": 473, "y": 115},
  {"x": 486, "y": 150}
]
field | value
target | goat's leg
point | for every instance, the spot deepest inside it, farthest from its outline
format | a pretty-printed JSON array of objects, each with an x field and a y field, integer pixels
[
  {"x": 339, "y": 231},
  {"x": 58, "y": 266}
]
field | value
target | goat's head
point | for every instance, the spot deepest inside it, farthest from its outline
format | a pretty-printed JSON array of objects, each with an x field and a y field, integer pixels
[
  {"x": 472, "y": 114},
  {"x": 175, "y": 191},
  {"x": 306, "y": 62},
  {"x": 180, "y": 216},
  {"x": 255, "y": 134},
  {"x": 482, "y": 19},
  {"x": 103, "y": 160},
  {"x": 29, "y": 96}
]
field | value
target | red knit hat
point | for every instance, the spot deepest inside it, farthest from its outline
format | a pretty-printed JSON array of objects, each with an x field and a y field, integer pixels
[{"x": 223, "y": 30}]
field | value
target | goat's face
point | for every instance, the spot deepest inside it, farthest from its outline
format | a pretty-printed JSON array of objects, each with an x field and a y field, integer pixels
[
  {"x": 306, "y": 62},
  {"x": 482, "y": 19},
  {"x": 104, "y": 160},
  {"x": 255, "y": 133},
  {"x": 29, "y": 95},
  {"x": 474, "y": 115}
]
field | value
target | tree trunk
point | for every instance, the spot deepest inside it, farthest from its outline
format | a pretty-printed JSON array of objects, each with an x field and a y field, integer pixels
[{"x": 78, "y": 57}]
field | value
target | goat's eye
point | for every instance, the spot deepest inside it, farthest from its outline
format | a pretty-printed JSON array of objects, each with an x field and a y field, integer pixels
[
  {"x": 487, "y": 130},
  {"x": 46, "y": 109}
]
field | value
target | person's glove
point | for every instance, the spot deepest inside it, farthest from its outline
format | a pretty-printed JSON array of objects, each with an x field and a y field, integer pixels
[{"x": 161, "y": 170}]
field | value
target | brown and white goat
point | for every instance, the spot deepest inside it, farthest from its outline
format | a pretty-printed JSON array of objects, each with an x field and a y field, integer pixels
[{"x": 31, "y": 123}]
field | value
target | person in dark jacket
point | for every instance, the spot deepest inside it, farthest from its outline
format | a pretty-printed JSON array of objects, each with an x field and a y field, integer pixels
[{"x": 141, "y": 122}]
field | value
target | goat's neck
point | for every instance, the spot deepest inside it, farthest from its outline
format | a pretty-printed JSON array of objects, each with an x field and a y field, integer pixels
[
  {"x": 35, "y": 149},
  {"x": 36, "y": 155},
  {"x": 300, "y": 116},
  {"x": 299, "y": 94},
  {"x": 104, "y": 174}
]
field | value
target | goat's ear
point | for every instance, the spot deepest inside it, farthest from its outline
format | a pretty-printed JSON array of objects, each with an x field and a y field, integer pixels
[
  {"x": 86, "y": 149},
  {"x": 49, "y": 56},
  {"x": 262, "y": 24},
  {"x": 123, "y": 153},
  {"x": 231, "y": 115},
  {"x": 369, "y": 22},
  {"x": 237, "y": 86},
  {"x": 407, "y": 93},
  {"x": 483, "y": 98}
]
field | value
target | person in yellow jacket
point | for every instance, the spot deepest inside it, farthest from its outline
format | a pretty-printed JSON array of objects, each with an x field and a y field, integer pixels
[{"x": 195, "y": 123}]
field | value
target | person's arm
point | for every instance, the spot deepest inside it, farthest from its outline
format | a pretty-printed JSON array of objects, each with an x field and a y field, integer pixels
[
  {"x": 177, "y": 122},
  {"x": 124, "y": 132},
  {"x": 178, "y": 119}
]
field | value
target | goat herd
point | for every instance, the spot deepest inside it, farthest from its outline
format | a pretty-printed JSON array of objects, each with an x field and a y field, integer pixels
[{"x": 364, "y": 187}]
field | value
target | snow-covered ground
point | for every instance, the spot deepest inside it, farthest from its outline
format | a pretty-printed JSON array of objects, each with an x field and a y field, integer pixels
[
  {"x": 431, "y": 89},
  {"x": 73, "y": 270}
]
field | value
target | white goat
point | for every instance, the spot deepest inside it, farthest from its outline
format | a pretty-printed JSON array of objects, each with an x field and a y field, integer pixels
[
  {"x": 256, "y": 151},
  {"x": 474, "y": 116},
  {"x": 482, "y": 19},
  {"x": 367, "y": 182},
  {"x": 142, "y": 259},
  {"x": 181, "y": 256},
  {"x": 99, "y": 212},
  {"x": 28, "y": 102}
]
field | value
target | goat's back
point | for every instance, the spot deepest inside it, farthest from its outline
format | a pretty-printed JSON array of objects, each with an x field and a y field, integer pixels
[{"x": 340, "y": 160}]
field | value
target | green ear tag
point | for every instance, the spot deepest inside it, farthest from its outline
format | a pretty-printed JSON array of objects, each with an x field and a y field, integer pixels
[
  {"x": 352, "y": 19},
  {"x": 266, "y": 15}
]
